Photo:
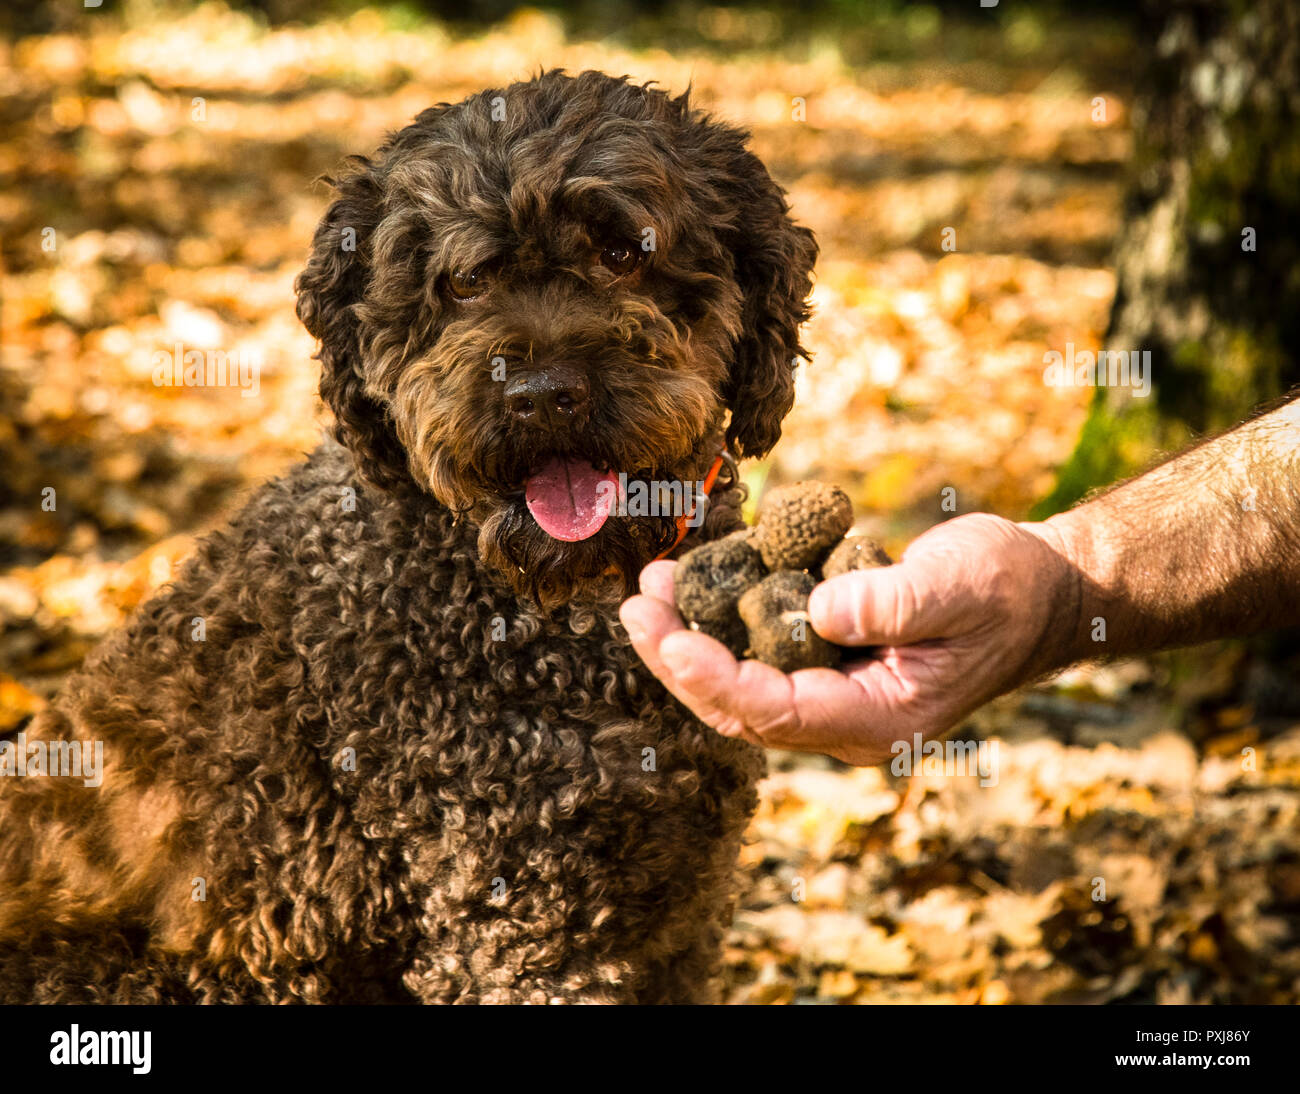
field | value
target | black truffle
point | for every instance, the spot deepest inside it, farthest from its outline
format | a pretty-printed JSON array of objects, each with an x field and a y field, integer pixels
[
  {"x": 855, "y": 553},
  {"x": 800, "y": 523},
  {"x": 709, "y": 581},
  {"x": 724, "y": 588},
  {"x": 775, "y": 612}
]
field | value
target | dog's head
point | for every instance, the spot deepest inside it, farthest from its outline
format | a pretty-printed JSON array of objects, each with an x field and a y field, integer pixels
[{"x": 524, "y": 296}]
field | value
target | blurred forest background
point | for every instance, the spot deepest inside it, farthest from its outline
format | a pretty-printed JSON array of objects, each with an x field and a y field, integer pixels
[{"x": 988, "y": 184}]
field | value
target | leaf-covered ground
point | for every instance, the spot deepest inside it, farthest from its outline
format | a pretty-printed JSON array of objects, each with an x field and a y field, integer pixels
[{"x": 1138, "y": 838}]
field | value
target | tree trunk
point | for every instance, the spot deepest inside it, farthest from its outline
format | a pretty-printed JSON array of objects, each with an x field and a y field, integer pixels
[{"x": 1208, "y": 259}]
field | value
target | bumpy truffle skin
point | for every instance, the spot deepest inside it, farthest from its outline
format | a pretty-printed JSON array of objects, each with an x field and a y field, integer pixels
[
  {"x": 711, "y": 578},
  {"x": 731, "y": 632},
  {"x": 708, "y": 582},
  {"x": 776, "y": 613},
  {"x": 855, "y": 553},
  {"x": 798, "y": 524}
]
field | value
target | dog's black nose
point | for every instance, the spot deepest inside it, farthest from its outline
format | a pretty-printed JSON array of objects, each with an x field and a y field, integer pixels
[{"x": 551, "y": 398}]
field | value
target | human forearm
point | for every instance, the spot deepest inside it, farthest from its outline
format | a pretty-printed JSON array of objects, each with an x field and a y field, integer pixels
[{"x": 1207, "y": 545}]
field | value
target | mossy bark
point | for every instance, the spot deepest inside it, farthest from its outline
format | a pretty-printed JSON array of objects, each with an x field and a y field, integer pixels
[{"x": 1208, "y": 260}]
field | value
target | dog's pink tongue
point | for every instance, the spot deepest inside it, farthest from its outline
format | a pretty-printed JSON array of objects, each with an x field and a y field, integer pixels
[{"x": 567, "y": 501}]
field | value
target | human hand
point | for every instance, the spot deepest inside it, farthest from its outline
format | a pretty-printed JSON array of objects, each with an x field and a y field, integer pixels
[{"x": 976, "y": 606}]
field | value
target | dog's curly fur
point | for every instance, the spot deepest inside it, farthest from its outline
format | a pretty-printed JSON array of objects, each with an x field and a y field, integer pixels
[{"x": 413, "y": 757}]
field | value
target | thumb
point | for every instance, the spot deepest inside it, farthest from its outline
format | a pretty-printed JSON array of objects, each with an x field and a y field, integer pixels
[{"x": 892, "y": 606}]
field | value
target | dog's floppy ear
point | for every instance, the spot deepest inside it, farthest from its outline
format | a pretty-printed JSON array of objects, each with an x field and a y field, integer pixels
[
  {"x": 774, "y": 259},
  {"x": 329, "y": 290}
]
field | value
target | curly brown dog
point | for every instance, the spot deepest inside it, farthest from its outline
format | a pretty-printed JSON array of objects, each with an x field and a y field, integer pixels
[{"x": 383, "y": 740}]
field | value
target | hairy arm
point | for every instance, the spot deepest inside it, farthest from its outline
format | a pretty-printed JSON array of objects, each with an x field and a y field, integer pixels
[{"x": 1206, "y": 545}]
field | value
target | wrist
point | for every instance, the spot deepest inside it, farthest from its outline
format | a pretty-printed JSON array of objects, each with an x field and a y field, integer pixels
[{"x": 1068, "y": 634}]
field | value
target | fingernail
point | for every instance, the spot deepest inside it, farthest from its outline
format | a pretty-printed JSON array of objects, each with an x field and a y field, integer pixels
[
  {"x": 821, "y": 607},
  {"x": 825, "y": 617},
  {"x": 677, "y": 660}
]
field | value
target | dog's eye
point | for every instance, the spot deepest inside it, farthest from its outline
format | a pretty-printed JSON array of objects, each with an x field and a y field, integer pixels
[
  {"x": 467, "y": 284},
  {"x": 620, "y": 258}
]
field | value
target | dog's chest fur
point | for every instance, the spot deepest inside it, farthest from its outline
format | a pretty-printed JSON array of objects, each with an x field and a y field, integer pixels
[{"x": 409, "y": 783}]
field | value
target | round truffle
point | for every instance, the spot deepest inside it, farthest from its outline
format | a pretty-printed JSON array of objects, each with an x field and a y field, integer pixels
[
  {"x": 799, "y": 524},
  {"x": 855, "y": 553},
  {"x": 708, "y": 582},
  {"x": 775, "y": 612}
]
